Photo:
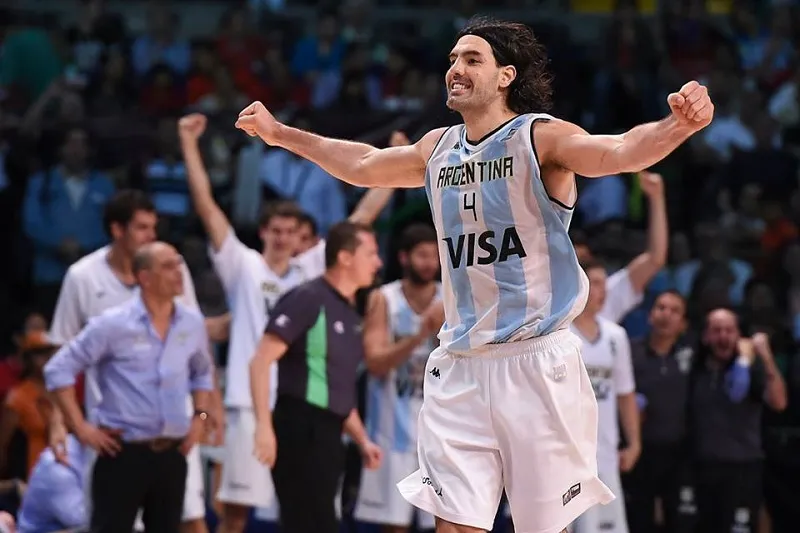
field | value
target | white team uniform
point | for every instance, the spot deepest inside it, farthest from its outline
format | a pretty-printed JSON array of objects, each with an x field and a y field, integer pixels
[
  {"x": 393, "y": 404},
  {"x": 90, "y": 287},
  {"x": 508, "y": 403},
  {"x": 252, "y": 289},
  {"x": 608, "y": 362}
]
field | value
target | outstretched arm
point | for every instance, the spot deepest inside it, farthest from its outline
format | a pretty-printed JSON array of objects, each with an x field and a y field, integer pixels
[
  {"x": 565, "y": 145},
  {"x": 190, "y": 128},
  {"x": 355, "y": 163}
]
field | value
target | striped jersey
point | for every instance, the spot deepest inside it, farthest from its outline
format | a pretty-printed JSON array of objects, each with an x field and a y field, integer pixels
[
  {"x": 393, "y": 401},
  {"x": 509, "y": 269}
]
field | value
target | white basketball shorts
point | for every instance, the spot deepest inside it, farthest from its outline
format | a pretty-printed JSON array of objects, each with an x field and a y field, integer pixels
[
  {"x": 379, "y": 501},
  {"x": 520, "y": 416},
  {"x": 605, "y": 518},
  {"x": 244, "y": 481}
]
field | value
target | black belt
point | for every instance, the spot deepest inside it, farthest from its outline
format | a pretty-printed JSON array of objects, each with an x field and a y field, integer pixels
[{"x": 158, "y": 445}]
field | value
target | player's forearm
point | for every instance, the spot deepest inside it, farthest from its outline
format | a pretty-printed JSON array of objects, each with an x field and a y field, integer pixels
[
  {"x": 214, "y": 220},
  {"x": 355, "y": 429},
  {"x": 658, "y": 232},
  {"x": 260, "y": 384},
  {"x": 371, "y": 205},
  {"x": 647, "y": 144},
  {"x": 381, "y": 361},
  {"x": 775, "y": 395},
  {"x": 201, "y": 400},
  {"x": 341, "y": 159},
  {"x": 629, "y": 419}
]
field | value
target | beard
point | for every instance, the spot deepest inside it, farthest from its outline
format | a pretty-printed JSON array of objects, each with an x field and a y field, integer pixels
[{"x": 412, "y": 275}]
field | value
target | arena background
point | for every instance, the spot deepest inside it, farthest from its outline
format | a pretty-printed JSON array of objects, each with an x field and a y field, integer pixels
[{"x": 124, "y": 71}]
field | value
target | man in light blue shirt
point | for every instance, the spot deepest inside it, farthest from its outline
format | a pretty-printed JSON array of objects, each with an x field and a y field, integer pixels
[
  {"x": 54, "y": 500},
  {"x": 149, "y": 354}
]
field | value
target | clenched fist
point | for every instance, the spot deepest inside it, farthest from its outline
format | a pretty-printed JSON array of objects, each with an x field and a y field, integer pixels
[
  {"x": 191, "y": 127},
  {"x": 255, "y": 120},
  {"x": 692, "y": 106}
]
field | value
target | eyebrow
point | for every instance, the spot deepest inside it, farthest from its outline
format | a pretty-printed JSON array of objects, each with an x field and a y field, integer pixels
[{"x": 472, "y": 53}]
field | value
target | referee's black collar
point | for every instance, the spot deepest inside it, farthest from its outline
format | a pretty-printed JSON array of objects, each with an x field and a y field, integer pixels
[{"x": 338, "y": 294}]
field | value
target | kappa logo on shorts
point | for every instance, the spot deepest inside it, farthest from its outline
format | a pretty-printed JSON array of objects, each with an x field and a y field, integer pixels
[
  {"x": 427, "y": 481},
  {"x": 560, "y": 372},
  {"x": 573, "y": 491},
  {"x": 435, "y": 372}
]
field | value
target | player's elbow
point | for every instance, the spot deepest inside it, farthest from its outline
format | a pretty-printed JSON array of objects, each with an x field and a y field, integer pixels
[{"x": 376, "y": 365}]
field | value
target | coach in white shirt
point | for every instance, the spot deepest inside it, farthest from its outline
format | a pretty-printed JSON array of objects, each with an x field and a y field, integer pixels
[{"x": 104, "y": 279}]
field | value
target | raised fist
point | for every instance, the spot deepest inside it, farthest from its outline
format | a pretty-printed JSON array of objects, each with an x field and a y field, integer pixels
[
  {"x": 692, "y": 106},
  {"x": 191, "y": 127},
  {"x": 255, "y": 120}
]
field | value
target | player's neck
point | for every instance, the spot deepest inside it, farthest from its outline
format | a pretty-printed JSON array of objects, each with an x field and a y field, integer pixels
[
  {"x": 121, "y": 264},
  {"x": 587, "y": 324},
  {"x": 159, "y": 309},
  {"x": 279, "y": 265},
  {"x": 341, "y": 284},
  {"x": 480, "y": 124},
  {"x": 418, "y": 294}
]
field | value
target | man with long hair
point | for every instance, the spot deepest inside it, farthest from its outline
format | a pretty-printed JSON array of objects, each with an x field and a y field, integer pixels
[{"x": 508, "y": 403}]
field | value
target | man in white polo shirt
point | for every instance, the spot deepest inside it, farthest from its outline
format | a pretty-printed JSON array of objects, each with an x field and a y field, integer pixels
[{"x": 104, "y": 279}]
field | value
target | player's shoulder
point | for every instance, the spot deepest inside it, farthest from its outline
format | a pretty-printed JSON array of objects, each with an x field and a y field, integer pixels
[
  {"x": 613, "y": 329},
  {"x": 86, "y": 268},
  {"x": 190, "y": 314}
]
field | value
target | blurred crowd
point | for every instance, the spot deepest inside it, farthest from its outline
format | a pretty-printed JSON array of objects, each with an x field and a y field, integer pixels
[{"x": 91, "y": 108}]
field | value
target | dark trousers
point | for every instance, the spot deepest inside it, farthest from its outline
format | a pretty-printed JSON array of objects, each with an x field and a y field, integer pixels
[
  {"x": 138, "y": 478},
  {"x": 308, "y": 467},
  {"x": 662, "y": 472},
  {"x": 729, "y": 496}
]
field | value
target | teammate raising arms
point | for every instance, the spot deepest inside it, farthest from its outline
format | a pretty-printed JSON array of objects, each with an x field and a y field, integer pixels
[
  {"x": 508, "y": 402},
  {"x": 253, "y": 283}
]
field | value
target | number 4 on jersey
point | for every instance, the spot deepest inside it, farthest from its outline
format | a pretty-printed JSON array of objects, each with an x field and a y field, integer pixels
[{"x": 469, "y": 204}]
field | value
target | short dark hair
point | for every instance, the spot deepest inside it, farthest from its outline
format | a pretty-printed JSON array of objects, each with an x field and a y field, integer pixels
[
  {"x": 142, "y": 259},
  {"x": 279, "y": 209},
  {"x": 308, "y": 220},
  {"x": 591, "y": 264},
  {"x": 677, "y": 294},
  {"x": 514, "y": 44},
  {"x": 416, "y": 234},
  {"x": 122, "y": 207},
  {"x": 343, "y": 236}
]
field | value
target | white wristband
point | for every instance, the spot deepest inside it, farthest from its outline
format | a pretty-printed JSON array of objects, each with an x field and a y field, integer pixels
[{"x": 744, "y": 361}]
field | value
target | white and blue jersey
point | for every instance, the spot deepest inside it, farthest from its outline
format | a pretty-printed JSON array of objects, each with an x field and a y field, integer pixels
[
  {"x": 508, "y": 266},
  {"x": 393, "y": 402}
]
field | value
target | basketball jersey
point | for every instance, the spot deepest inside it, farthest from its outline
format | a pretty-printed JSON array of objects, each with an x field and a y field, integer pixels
[
  {"x": 509, "y": 269},
  {"x": 393, "y": 401},
  {"x": 252, "y": 289},
  {"x": 89, "y": 289},
  {"x": 608, "y": 363}
]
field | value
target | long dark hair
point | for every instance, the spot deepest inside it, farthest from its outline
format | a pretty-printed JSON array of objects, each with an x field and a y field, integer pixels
[{"x": 514, "y": 44}]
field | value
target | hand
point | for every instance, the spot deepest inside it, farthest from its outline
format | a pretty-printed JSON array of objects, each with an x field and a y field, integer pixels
[
  {"x": 398, "y": 138},
  {"x": 191, "y": 127},
  {"x": 7, "y": 522},
  {"x": 104, "y": 441},
  {"x": 746, "y": 349},
  {"x": 216, "y": 426},
  {"x": 628, "y": 457},
  {"x": 760, "y": 343},
  {"x": 692, "y": 106},
  {"x": 266, "y": 446},
  {"x": 57, "y": 440},
  {"x": 652, "y": 184},
  {"x": 432, "y": 319},
  {"x": 372, "y": 455},
  {"x": 197, "y": 430},
  {"x": 255, "y": 120}
]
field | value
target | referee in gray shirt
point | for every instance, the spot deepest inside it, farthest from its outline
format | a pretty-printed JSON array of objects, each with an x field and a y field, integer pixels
[{"x": 315, "y": 334}]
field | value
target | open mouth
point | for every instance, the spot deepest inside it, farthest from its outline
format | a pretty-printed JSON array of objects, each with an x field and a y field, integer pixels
[{"x": 459, "y": 87}]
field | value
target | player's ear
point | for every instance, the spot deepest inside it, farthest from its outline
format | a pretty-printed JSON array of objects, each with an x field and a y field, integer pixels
[{"x": 508, "y": 74}]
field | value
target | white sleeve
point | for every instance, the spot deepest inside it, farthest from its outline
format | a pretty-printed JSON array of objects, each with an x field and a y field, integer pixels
[
  {"x": 624, "y": 382},
  {"x": 228, "y": 261},
  {"x": 312, "y": 261},
  {"x": 67, "y": 317},
  {"x": 189, "y": 297},
  {"x": 621, "y": 296}
]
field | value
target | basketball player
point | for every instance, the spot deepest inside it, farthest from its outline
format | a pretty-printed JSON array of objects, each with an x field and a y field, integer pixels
[
  {"x": 508, "y": 402},
  {"x": 104, "y": 279},
  {"x": 253, "y": 283},
  {"x": 607, "y": 356},
  {"x": 401, "y": 322}
]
